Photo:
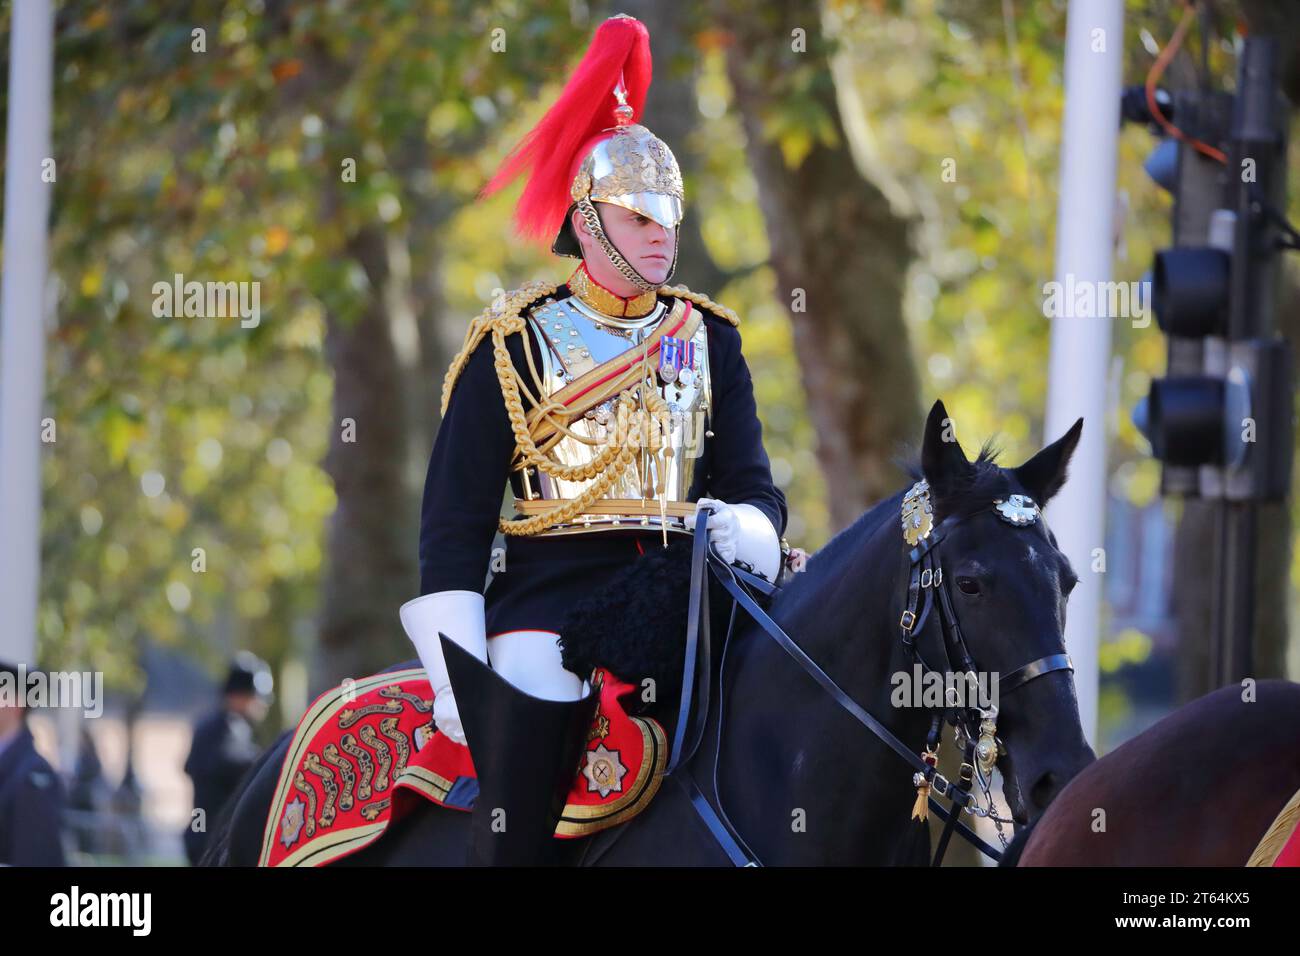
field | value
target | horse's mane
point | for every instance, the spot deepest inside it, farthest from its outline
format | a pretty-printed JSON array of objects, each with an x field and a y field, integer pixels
[{"x": 965, "y": 493}]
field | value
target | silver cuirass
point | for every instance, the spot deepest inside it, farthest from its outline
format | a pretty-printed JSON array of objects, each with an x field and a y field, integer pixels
[{"x": 574, "y": 338}]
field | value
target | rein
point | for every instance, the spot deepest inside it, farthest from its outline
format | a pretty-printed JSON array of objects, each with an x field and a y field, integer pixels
[{"x": 926, "y": 579}]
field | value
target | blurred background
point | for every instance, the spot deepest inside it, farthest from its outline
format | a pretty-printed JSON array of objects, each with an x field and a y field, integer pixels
[{"x": 201, "y": 499}]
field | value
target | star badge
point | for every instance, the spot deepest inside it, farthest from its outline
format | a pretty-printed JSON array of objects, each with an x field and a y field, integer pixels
[
  {"x": 604, "y": 771},
  {"x": 291, "y": 823}
]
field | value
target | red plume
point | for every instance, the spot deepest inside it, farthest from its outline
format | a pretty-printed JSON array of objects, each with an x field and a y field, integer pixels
[{"x": 620, "y": 48}]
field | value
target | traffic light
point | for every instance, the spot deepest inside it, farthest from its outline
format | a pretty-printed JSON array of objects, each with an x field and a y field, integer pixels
[{"x": 1221, "y": 419}]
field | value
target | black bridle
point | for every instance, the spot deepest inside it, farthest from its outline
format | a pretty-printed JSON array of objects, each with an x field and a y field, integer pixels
[
  {"x": 926, "y": 579},
  {"x": 976, "y": 727}
]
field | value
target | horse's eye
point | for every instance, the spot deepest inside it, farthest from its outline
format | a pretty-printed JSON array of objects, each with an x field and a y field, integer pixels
[{"x": 968, "y": 585}]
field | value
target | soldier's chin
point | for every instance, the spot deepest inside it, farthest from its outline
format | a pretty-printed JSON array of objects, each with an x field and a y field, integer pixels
[{"x": 655, "y": 270}]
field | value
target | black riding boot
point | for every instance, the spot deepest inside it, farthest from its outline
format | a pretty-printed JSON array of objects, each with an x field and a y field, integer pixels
[{"x": 525, "y": 751}]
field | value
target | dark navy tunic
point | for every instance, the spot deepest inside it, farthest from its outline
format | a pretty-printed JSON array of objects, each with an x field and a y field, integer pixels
[
  {"x": 31, "y": 806},
  {"x": 542, "y": 577}
]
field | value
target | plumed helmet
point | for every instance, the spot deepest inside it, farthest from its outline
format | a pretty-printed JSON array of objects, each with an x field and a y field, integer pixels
[
  {"x": 633, "y": 168},
  {"x": 590, "y": 147}
]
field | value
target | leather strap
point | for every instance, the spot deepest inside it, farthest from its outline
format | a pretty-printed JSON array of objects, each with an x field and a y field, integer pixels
[
  {"x": 723, "y": 572},
  {"x": 720, "y": 832},
  {"x": 731, "y": 578},
  {"x": 697, "y": 640},
  {"x": 1044, "y": 665},
  {"x": 957, "y": 802}
]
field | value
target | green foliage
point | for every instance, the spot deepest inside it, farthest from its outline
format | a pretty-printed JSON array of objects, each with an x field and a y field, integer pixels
[{"x": 226, "y": 165}]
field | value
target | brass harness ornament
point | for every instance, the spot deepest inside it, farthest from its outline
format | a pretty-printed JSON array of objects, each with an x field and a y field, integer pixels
[{"x": 917, "y": 518}]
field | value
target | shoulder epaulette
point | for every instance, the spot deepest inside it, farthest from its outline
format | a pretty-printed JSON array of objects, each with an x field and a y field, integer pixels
[
  {"x": 700, "y": 299},
  {"x": 503, "y": 314}
]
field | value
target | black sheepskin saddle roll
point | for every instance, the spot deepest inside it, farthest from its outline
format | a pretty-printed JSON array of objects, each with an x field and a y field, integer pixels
[{"x": 635, "y": 626}]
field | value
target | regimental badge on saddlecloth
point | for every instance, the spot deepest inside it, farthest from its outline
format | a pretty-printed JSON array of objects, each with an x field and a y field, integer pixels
[
  {"x": 676, "y": 360},
  {"x": 291, "y": 825},
  {"x": 604, "y": 771}
]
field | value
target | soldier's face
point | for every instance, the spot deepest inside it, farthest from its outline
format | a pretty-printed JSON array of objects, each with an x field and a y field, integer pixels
[{"x": 648, "y": 246}]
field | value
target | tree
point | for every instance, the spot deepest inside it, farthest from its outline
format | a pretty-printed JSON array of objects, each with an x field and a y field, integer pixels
[{"x": 839, "y": 249}]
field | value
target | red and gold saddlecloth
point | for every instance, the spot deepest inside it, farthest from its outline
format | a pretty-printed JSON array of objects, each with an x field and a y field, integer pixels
[{"x": 366, "y": 752}]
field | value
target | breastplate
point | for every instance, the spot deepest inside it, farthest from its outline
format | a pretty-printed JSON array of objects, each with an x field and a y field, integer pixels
[{"x": 573, "y": 339}]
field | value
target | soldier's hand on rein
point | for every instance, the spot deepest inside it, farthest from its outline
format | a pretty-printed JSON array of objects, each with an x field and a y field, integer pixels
[
  {"x": 723, "y": 525},
  {"x": 743, "y": 535}
]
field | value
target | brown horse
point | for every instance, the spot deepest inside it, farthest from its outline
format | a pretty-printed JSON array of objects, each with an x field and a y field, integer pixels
[{"x": 1200, "y": 788}]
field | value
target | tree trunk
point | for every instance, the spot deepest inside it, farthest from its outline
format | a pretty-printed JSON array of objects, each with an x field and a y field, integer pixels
[
  {"x": 371, "y": 553},
  {"x": 671, "y": 114},
  {"x": 841, "y": 256}
]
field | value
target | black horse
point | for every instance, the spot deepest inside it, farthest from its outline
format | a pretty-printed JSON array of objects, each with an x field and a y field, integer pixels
[{"x": 800, "y": 779}]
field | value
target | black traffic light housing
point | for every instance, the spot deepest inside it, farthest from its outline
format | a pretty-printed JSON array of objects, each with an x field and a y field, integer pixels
[{"x": 1221, "y": 420}]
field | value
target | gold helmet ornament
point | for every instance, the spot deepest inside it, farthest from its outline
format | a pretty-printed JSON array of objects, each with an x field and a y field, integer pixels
[{"x": 589, "y": 148}]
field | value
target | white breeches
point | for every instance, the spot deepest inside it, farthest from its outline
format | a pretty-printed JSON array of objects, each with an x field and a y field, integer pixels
[{"x": 531, "y": 661}]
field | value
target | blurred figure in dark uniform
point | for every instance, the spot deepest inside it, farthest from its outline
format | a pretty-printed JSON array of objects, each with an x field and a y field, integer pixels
[
  {"x": 224, "y": 746},
  {"x": 31, "y": 794}
]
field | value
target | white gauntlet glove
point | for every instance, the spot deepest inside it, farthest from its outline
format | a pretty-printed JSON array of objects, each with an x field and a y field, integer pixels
[
  {"x": 459, "y": 615},
  {"x": 742, "y": 533}
]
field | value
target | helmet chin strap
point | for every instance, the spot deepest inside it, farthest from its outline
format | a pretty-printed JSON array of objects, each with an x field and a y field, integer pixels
[{"x": 587, "y": 209}]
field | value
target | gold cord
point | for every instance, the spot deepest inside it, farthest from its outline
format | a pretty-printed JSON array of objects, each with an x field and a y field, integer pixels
[{"x": 505, "y": 318}]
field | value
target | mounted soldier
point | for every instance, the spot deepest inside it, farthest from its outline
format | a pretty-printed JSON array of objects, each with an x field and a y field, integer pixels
[{"x": 616, "y": 406}]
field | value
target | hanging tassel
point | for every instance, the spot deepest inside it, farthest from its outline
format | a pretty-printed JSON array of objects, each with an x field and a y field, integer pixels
[{"x": 921, "y": 808}]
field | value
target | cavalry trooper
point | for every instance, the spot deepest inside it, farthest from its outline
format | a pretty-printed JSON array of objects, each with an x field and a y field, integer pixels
[{"x": 615, "y": 405}]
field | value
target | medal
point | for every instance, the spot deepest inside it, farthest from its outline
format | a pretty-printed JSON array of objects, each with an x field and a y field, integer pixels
[
  {"x": 670, "y": 358},
  {"x": 687, "y": 374}
]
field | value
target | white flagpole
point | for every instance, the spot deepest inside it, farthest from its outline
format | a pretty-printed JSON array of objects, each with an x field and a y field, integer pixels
[
  {"x": 1080, "y": 357},
  {"x": 22, "y": 314}
]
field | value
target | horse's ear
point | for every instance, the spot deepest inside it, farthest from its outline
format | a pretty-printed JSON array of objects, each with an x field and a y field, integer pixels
[
  {"x": 941, "y": 456},
  {"x": 1043, "y": 475}
]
